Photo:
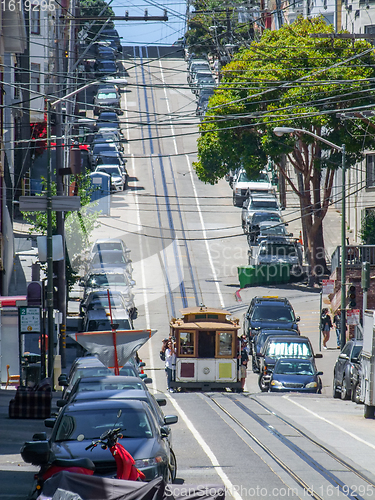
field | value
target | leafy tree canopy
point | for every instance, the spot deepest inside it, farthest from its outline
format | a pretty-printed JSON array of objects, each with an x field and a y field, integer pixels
[
  {"x": 368, "y": 229},
  {"x": 287, "y": 79},
  {"x": 94, "y": 8}
]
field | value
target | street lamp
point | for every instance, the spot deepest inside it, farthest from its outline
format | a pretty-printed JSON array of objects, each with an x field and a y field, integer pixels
[{"x": 279, "y": 131}]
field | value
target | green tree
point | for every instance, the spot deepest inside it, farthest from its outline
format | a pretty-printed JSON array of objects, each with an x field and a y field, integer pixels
[
  {"x": 368, "y": 228},
  {"x": 93, "y": 8},
  {"x": 76, "y": 229},
  {"x": 294, "y": 80}
]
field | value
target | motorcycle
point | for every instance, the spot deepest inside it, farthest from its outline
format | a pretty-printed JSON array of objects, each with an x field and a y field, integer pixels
[
  {"x": 37, "y": 452},
  {"x": 125, "y": 464}
]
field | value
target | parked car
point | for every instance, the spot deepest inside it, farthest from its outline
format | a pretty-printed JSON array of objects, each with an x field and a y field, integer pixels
[
  {"x": 295, "y": 375},
  {"x": 107, "y": 260},
  {"x": 104, "y": 67},
  {"x": 345, "y": 366},
  {"x": 107, "y": 100},
  {"x": 119, "y": 281},
  {"x": 282, "y": 347},
  {"x": 198, "y": 65},
  {"x": 105, "y": 136},
  {"x": 243, "y": 185},
  {"x": 258, "y": 202},
  {"x": 98, "y": 299},
  {"x": 99, "y": 320},
  {"x": 110, "y": 244},
  {"x": 260, "y": 339},
  {"x": 278, "y": 250},
  {"x": 250, "y": 225},
  {"x": 270, "y": 313},
  {"x": 118, "y": 180},
  {"x": 202, "y": 79},
  {"x": 143, "y": 437},
  {"x": 102, "y": 383},
  {"x": 273, "y": 228},
  {"x": 99, "y": 148},
  {"x": 106, "y": 52},
  {"x": 356, "y": 381}
]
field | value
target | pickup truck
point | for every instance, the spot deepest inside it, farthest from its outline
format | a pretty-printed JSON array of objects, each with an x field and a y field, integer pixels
[{"x": 243, "y": 186}]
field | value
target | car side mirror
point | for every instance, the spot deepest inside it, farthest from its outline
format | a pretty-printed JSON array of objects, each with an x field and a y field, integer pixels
[
  {"x": 142, "y": 363},
  {"x": 161, "y": 401},
  {"x": 50, "y": 422},
  {"x": 60, "y": 403},
  {"x": 343, "y": 356},
  {"x": 63, "y": 382},
  {"x": 298, "y": 318},
  {"x": 164, "y": 432},
  {"x": 170, "y": 419},
  {"x": 40, "y": 436},
  {"x": 147, "y": 380},
  {"x": 81, "y": 283},
  {"x": 318, "y": 356},
  {"x": 319, "y": 373},
  {"x": 355, "y": 359}
]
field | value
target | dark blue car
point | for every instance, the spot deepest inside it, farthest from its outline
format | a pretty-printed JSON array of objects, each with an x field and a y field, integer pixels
[{"x": 295, "y": 375}]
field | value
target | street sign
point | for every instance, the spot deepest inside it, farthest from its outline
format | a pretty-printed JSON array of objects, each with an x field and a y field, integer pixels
[
  {"x": 328, "y": 286},
  {"x": 59, "y": 203},
  {"x": 29, "y": 320},
  {"x": 352, "y": 317}
]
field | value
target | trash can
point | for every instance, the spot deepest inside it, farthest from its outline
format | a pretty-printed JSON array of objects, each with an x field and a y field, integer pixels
[
  {"x": 246, "y": 276},
  {"x": 31, "y": 374}
]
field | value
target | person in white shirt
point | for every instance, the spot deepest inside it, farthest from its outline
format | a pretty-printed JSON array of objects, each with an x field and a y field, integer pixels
[{"x": 170, "y": 364}]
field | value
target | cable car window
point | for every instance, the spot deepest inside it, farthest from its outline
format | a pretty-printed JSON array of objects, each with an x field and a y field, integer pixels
[
  {"x": 212, "y": 316},
  {"x": 200, "y": 316},
  {"x": 225, "y": 344},
  {"x": 206, "y": 344},
  {"x": 186, "y": 347}
]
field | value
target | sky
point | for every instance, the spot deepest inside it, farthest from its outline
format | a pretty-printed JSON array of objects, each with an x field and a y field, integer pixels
[{"x": 154, "y": 32}]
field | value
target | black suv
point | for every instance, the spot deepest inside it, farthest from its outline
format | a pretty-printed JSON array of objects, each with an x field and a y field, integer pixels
[
  {"x": 345, "y": 372},
  {"x": 269, "y": 312},
  {"x": 282, "y": 347}
]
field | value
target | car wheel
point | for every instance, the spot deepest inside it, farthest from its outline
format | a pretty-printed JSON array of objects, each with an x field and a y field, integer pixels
[
  {"x": 172, "y": 467},
  {"x": 356, "y": 393},
  {"x": 345, "y": 393},
  {"x": 336, "y": 394},
  {"x": 263, "y": 386}
]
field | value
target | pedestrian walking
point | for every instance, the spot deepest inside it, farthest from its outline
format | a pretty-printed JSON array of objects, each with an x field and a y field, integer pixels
[
  {"x": 337, "y": 323},
  {"x": 243, "y": 359},
  {"x": 170, "y": 364},
  {"x": 326, "y": 325}
]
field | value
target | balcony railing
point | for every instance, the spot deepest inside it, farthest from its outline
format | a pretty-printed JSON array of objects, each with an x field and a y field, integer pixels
[{"x": 355, "y": 255}]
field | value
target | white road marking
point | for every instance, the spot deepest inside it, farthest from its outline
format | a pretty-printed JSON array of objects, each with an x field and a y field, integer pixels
[
  {"x": 354, "y": 436},
  {"x": 202, "y": 443}
]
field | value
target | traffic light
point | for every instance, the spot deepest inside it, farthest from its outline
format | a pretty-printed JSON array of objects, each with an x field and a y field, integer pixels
[{"x": 352, "y": 297}]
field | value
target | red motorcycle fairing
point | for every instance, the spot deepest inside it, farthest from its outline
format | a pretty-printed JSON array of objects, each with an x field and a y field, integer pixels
[
  {"x": 54, "y": 469},
  {"x": 126, "y": 468}
]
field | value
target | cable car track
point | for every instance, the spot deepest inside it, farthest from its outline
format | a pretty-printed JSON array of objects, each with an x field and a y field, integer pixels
[
  {"x": 332, "y": 478},
  {"x": 149, "y": 94}
]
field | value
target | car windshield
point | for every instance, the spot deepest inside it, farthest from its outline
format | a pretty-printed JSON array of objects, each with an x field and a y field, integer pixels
[
  {"x": 104, "y": 147},
  {"x": 109, "y": 95},
  {"x": 107, "y": 279},
  {"x": 356, "y": 351},
  {"x": 108, "y": 258},
  {"x": 285, "y": 349},
  {"x": 264, "y": 205},
  {"x": 107, "y": 245},
  {"x": 271, "y": 230},
  {"x": 95, "y": 371},
  {"x": 294, "y": 368},
  {"x": 272, "y": 313},
  {"x": 262, "y": 177},
  {"x": 104, "y": 124},
  {"x": 108, "y": 160},
  {"x": 108, "y": 117},
  {"x": 104, "y": 325},
  {"x": 102, "y": 302},
  {"x": 278, "y": 249},
  {"x": 110, "y": 170},
  {"x": 257, "y": 218},
  {"x": 104, "y": 385},
  {"x": 93, "y": 423}
]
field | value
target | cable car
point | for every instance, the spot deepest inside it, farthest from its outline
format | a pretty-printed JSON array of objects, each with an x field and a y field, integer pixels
[{"x": 206, "y": 344}]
